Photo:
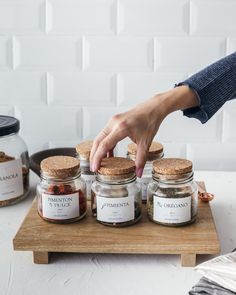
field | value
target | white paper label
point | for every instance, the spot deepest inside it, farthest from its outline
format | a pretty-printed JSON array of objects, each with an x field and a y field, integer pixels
[
  {"x": 60, "y": 206},
  {"x": 144, "y": 181},
  {"x": 172, "y": 210},
  {"x": 115, "y": 210},
  {"x": 89, "y": 179},
  {"x": 11, "y": 180}
]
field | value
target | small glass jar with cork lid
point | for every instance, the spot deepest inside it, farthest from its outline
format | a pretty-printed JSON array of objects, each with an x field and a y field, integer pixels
[
  {"x": 173, "y": 193},
  {"x": 116, "y": 196},
  {"x": 61, "y": 193},
  {"x": 83, "y": 150},
  {"x": 155, "y": 152}
]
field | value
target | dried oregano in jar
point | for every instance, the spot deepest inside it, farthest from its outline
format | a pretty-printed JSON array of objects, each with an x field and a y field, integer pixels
[
  {"x": 172, "y": 194},
  {"x": 83, "y": 150},
  {"x": 61, "y": 193},
  {"x": 155, "y": 152},
  {"x": 14, "y": 163},
  {"x": 116, "y": 196}
]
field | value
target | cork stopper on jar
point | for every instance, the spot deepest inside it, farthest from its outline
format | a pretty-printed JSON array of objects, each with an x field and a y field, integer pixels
[
  {"x": 155, "y": 150},
  {"x": 60, "y": 166},
  {"x": 83, "y": 149},
  {"x": 116, "y": 166},
  {"x": 172, "y": 166}
]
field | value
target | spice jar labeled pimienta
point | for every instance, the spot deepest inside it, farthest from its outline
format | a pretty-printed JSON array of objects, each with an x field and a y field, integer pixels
[
  {"x": 172, "y": 194},
  {"x": 83, "y": 153},
  {"x": 14, "y": 163},
  {"x": 61, "y": 193},
  {"x": 116, "y": 196},
  {"x": 155, "y": 152}
]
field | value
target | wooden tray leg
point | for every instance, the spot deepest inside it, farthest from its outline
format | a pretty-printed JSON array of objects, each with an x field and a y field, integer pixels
[
  {"x": 41, "y": 257},
  {"x": 188, "y": 259}
]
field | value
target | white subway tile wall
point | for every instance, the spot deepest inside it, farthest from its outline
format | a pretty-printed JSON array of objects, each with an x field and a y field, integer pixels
[
  {"x": 22, "y": 17},
  {"x": 187, "y": 53},
  {"x": 207, "y": 19},
  {"x": 66, "y": 66},
  {"x": 5, "y": 52},
  {"x": 118, "y": 53}
]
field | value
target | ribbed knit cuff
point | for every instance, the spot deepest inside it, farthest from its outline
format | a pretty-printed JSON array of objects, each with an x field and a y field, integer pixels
[{"x": 214, "y": 85}]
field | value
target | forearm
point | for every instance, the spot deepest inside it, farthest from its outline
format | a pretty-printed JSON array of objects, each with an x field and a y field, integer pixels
[{"x": 179, "y": 98}]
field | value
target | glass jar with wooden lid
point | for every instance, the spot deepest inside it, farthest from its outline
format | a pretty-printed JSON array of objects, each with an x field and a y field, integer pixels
[
  {"x": 14, "y": 163},
  {"x": 116, "y": 196},
  {"x": 61, "y": 193},
  {"x": 172, "y": 194},
  {"x": 83, "y": 150},
  {"x": 155, "y": 152}
]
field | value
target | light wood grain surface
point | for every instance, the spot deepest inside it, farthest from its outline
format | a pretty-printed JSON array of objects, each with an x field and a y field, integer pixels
[{"x": 146, "y": 237}]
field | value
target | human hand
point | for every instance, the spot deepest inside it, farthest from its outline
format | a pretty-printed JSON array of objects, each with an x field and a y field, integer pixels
[{"x": 140, "y": 124}]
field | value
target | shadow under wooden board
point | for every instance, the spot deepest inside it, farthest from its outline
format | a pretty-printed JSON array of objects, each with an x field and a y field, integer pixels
[{"x": 145, "y": 237}]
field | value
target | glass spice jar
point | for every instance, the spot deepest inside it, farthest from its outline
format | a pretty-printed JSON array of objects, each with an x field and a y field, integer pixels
[
  {"x": 155, "y": 152},
  {"x": 116, "y": 196},
  {"x": 83, "y": 153},
  {"x": 61, "y": 193},
  {"x": 172, "y": 194},
  {"x": 14, "y": 163}
]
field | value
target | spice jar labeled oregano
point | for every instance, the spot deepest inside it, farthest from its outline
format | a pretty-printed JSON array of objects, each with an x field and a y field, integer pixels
[
  {"x": 116, "y": 196},
  {"x": 61, "y": 193},
  {"x": 172, "y": 194}
]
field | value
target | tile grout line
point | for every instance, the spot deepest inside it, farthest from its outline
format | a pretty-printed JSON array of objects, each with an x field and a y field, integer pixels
[{"x": 189, "y": 18}]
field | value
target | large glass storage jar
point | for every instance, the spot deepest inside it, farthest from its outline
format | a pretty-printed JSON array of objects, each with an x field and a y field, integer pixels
[
  {"x": 83, "y": 150},
  {"x": 155, "y": 152},
  {"x": 116, "y": 196},
  {"x": 172, "y": 194},
  {"x": 61, "y": 193},
  {"x": 14, "y": 163}
]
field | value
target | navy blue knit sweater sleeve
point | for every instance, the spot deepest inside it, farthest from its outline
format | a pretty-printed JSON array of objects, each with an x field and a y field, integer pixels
[{"x": 214, "y": 85}]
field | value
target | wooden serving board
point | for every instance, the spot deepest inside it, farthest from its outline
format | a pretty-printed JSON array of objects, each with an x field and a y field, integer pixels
[{"x": 145, "y": 237}]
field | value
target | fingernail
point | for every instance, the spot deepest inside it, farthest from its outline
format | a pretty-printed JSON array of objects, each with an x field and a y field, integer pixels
[
  {"x": 139, "y": 172},
  {"x": 95, "y": 168},
  {"x": 92, "y": 168}
]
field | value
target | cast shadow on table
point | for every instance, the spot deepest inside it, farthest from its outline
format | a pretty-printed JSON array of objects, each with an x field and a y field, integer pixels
[{"x": 122, "y": 259}]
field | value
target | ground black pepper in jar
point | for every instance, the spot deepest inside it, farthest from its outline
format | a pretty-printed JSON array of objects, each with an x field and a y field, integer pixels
[
  {"x": 116, "y": 196},
  {"x": 172, "y": 194},
  {"x": 61, "y": 193}
]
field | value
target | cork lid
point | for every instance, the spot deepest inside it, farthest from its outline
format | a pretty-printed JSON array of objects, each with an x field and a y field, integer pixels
[
  {"x": 84, "y": 149},
  {"x": 60, "y": 166},
  {"x": 116, "y": 166},
  {"x": 172, "y": 166},
  {"x": 156, "y": 148}
]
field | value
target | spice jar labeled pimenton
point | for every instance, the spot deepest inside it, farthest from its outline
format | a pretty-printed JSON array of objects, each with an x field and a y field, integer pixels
[
  {"x": 83, "y": 153},
  {"x": 61, "y": 193},
  {"x": 155, "y": 152},
  {"x": 14, "y": 163},
  {"x": 172, "y": 194},
  {"x": 116, "y": 196}
]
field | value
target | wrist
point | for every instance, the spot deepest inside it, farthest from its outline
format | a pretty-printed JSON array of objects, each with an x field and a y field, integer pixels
[{"x": 179, "y": 98}]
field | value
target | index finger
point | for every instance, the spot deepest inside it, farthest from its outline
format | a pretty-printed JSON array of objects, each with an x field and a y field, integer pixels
[
  {"x": 96, "y": 143},
  {"x": 108, "y": 143}
]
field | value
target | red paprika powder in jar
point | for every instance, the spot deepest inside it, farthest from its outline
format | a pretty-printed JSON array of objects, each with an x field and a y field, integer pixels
[{"x": 61, "y": 193}]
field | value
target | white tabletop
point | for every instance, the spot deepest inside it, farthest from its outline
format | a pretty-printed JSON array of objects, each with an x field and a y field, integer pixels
[{"x": 110, "y": 274}]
